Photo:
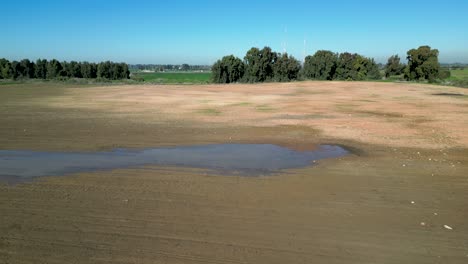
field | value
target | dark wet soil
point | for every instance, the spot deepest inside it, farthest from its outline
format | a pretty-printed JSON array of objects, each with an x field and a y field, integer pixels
[{"x": 449, "y": 94}]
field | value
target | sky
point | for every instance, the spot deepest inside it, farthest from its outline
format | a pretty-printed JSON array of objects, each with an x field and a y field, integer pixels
[{"x": 200, "y": 32}]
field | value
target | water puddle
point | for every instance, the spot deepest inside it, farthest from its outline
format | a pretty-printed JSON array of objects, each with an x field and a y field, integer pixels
[
  {"x": 449, "y": 94},
  {"x": 244, "y": 159}
]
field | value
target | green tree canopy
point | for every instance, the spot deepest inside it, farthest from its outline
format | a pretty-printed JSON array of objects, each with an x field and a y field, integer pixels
[
  {"x": 54, "y": 69},
  {"x": 265, "y": 65},
  {"x": 320, "y": 66},
  {"x": 228, "y": 70},
  {"x": 185, "y": 67},
  {"x": 286, "y": 68},
  {"x": 40, "y": 69},
  {"x": 259, "y": 64},
  {"x": 393, "y": 66},
  {"x": 87, "y": 70},
  {"x": 124, "y": 72},
  {"x": 17, "y": 69},
  {"x": 423, "y": 64},
  {"x": 345, "y": 66},
  {"x": 74, "y": 70},
  {"x": 6, "y": 71},
  {"x": 373, "y": 72},
  {"x": 44, "y": 69},
  {"x": 104, "y": 70},
  {"x": 356, "y": 67},
  {"x": 26, "y": 69}
]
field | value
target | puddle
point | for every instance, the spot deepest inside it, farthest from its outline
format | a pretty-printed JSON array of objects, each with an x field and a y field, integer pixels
[
  {"x": 244, "y": 159},
  {"x": 448, "y": 94}
]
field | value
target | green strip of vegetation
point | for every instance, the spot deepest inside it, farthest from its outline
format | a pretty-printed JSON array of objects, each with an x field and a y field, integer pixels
[
  {"x": 173, "y": 77},
  {"x": 209, "y": 111}
]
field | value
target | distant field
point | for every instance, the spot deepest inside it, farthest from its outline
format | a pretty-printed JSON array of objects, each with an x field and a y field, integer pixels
[
  {"x": 459, "y": 77},
  {"x": 175, "y": 77},
  {"x": 460, "y": 74}
]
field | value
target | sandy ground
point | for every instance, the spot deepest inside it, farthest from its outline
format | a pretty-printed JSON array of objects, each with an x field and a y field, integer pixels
[
  {"x": 386, "y": 203},
  {"x": 379, "y": 113}
]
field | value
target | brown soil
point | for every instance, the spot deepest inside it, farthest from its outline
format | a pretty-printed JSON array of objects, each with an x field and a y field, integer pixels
[{"x": 386, "y": 203}]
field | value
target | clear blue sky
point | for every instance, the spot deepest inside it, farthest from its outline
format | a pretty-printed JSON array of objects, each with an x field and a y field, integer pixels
[{"x": 200, "y": 31}]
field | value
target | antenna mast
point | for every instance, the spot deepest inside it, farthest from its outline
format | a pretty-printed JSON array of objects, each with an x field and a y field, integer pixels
[
  {"x": 285, "y": 40},
  {"x": 304, "y": 51}
]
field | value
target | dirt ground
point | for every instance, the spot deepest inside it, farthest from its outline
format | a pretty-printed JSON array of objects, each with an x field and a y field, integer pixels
[{"x": 401, "y": 197}]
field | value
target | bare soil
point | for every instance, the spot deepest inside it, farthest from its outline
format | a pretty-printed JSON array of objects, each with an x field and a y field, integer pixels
[{"x": 393, "y": 201}]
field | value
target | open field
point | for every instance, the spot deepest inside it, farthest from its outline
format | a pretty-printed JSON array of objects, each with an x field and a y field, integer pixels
[
  {"x": 386, "y": 203},
  {"x": 175, "y": 77},
  {"x": 459, "y": 73},
  {"x": 458, "y": 77}
]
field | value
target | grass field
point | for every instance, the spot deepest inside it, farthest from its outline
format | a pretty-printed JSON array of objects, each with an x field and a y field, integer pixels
[
  {"x": 458, "y": 78},
  {"x": 460, "y": 74},
  {"x": 175, "y": 77}
]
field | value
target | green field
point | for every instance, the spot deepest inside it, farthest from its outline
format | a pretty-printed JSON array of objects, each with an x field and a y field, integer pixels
[
  {"x": 174, "y": 77},
  {"x": 459, "y": 77},
  {"x": 459, "y": 74}
]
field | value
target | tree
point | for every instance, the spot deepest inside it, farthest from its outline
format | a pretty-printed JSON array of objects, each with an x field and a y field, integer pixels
[
  {"x": 17, "y": 70},
  {"x": 119, "y": 71},
  {"x": 125, "y": 74},
  {"x": 104, "y": 70},
  {"x": 360, "y": 67},
  {"x": 373, "y": 70},
  {"x": 365, "y": 68},
  {"x": 115, "y": 71},
  {"x": 65, "y": 72},
  {"x": 3, "y": 62},
  {"x": 345, "y": 66},
  {"x": 40, "y": 69},
  {"x": 93, "y": 70},
  {"x": 252, "y": 65},
  {"x": 88, "y": 70},
  {"x": 393, "y": 66},
  {"x": 217, "y": 72},
  {"x": 267, "y": 61},
  {"x": 356, "y": 67},
  {"x": 259, "y": 64},
  {"x": 185, "y": 67},
  {"x": 44, "y": 69},
  {"x": 71, "y": 69},
  {"x": 85, "y": 69},
  {"x": 27, "y": 69},
  {"x": 54, "y": 69},
  {"x": 286, "y": 68},
  {"x": 320, "y": 66},
  {"x": 423, "y": 64},
  {"x": 229, "y": 69},
  {"x": 6, "y": 71},
  {"x": 74, "y": 70}
]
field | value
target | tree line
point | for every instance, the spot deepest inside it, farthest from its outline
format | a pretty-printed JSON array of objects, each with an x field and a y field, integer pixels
[
  {"x": 44, "y": 69},
  {"x": 260, "y": 65}
]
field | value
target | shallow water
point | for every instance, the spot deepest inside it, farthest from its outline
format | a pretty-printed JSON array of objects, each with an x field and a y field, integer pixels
[{"x": 244, "y": 159}]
